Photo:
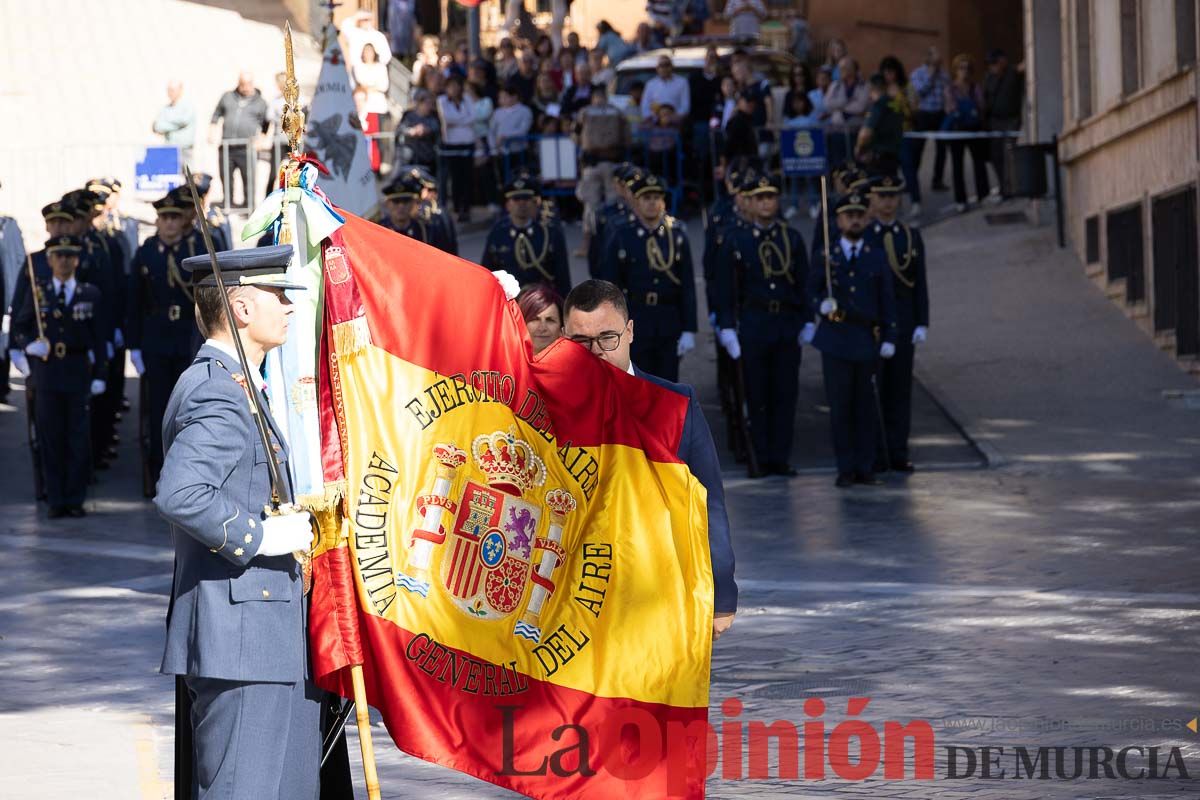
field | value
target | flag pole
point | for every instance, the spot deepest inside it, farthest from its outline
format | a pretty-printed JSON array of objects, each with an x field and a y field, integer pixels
[{"x": 363, "y": 717}]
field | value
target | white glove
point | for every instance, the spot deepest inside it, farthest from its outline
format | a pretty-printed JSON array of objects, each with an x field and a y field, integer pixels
[
  {"x": 807, "y": 333},
  {"x": 827, "y": 305},
  {"x": 712, "y": 320},
  {"x": 508, "y": 283},
  {"x": 97, "y": 387},
  {"x": 19, "y": 361},
  {"x": 729, "y": 340},
  {"x": 286, "y": 534},
  {"x": 887, "y": 350},
  {"x": 118, "y": 338},
  {"x": 139, "y": 366},
  {"x": 38, "y": 349},
  {"x": 687, "y": 343},
  {"x": 919, "y": 334},
  {"x": 109, "y": 350}
]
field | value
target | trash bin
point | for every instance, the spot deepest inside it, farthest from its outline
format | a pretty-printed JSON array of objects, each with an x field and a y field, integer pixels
[{"x": 1026, "y": 170}]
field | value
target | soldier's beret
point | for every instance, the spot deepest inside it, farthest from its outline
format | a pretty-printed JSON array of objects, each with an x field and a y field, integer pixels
[
  {"x": 253, "y": 266},
  {"x": 850, "y": 201},
  {"x": 64, "y": 244}
]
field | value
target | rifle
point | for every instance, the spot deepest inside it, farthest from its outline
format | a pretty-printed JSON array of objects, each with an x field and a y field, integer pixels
[{"x": 742, "y": 406}]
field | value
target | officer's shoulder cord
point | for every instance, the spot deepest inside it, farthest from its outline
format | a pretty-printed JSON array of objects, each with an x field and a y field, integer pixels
[
  {"x": 767, "y": 248},
  {"x": 526, "y": 257},
  {"x": 654, "y": 252},
  {"x": 889, "y": 247}
]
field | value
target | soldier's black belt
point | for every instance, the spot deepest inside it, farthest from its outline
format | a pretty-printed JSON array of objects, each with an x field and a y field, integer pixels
[
  {"x": 853, "y": 317},
  {"x": 770, "y": 306},
  {"x": 173, "y": 313},
  {"x": 62, "y": 351},
  {"x": 653, "y": 298}
]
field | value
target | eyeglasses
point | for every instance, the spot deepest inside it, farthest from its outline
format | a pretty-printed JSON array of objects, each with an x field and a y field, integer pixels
[{"x": 608, "y": 341}]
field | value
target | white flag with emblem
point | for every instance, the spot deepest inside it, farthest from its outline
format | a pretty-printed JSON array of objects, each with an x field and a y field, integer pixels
[{"x": 335, "y": 136}]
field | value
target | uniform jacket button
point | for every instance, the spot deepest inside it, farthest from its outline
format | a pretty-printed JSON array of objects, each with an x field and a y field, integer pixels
[{"x": 266, "y": 594}]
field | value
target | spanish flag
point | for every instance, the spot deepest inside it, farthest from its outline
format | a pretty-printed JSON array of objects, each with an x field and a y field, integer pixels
[{"x": 523, "y": 569}]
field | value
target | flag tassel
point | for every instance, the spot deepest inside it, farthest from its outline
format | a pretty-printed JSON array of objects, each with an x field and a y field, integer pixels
[{"x": 363, "y": 717}]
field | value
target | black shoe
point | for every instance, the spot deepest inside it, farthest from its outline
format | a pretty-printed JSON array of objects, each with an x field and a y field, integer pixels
[
  {"x": 867, "y": 479},
  {"x": 755, "y": 474},
  {"x": 844, "y": 480},
  {"x": 786, "y": 470},
  {"x": 903, "y": 466},
  {"x": 57, "y": 512},
  {"x": 881, "y": 465},
  {"x": 76, "y": 511}
]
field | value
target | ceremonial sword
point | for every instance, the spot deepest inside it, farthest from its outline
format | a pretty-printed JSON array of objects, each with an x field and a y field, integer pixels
[{"x": 825, "y": 235}]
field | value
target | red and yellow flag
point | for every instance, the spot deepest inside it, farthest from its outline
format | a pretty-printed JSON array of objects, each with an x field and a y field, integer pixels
[{"x": 527, "y": 580}]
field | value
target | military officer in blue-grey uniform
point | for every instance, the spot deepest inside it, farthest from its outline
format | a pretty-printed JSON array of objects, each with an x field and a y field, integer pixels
[
  {"x": 401, "y": 199},
  {"x": 236, "y": 621},
  {"x": 596, "y": 316},
  {"x": 531, "y": 249},
  {"x": 59, "y": 335},
  {"x": 856, "y": 302},
  {"x": 123, "y": 231},
  {"x": 761, "y": 275},
  {"x": 904, "y": 250},
  {"x": 161, "y": 325},
  {"x": 652, "y": 263}
]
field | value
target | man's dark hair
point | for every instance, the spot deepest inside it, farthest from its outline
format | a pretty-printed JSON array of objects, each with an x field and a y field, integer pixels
[
  {"x": 878, "y": 82},
  {"x": 591, "y": 294},
  {"x": 210, "y": 311}
]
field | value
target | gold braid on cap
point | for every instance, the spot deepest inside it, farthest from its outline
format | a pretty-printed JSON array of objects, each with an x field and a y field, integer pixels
[
  {"x": 769, "y": 252},
  {"x": 654, "y": 253}
]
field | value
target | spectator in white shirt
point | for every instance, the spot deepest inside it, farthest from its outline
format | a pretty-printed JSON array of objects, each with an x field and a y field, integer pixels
[
  {"x": 666, "y": 88},
  {"x": 372, "y": 74},
  {"x": 510, "y": 123},
  {"x": 457, "y": 114},
  {"x": 745, "y": 17}
]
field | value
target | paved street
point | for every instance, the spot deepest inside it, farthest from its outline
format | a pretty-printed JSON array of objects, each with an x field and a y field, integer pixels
[{"x": 1049, "y": 599}]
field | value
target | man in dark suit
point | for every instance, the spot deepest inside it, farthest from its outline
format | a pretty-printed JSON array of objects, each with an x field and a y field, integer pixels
[
  {"x": 236, "y": 623},
  {"x": 597, "y": 317}
]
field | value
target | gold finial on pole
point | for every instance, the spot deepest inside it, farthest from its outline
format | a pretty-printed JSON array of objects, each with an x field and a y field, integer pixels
[{"x": 292, "y": 120}]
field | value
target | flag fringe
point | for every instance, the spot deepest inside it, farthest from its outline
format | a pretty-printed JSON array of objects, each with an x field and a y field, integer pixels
[
  {"x": 333, "y": 494},
  {"x": 351, "y": 336}
]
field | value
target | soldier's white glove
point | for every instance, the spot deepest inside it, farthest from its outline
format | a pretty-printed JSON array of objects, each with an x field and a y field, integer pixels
[
  {"x": 508, "y": 283},
  {"x": 38, "y": 349},
  {"x": 97, "y": 387},
  {"x": 827, "y": 306},
  {"x": 286, "y": 534},
  {"x": 687, "y": 343},
  {"x": 109, "y": 350},
  {"x": 919, "y": 334},
  {"x": 118, "y": 338},
  {"x": 807, "y": 333},
  {"x": 729, "y": 340},
  {"x": 887, "y": 350},
  {"x": 19, "y": 361},
  {"x": 139, "y": 366}
]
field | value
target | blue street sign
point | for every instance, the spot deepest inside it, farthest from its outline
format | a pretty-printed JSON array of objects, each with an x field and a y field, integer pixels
[
  {"x": 802, "y": 151},
  {"x": 159, "y": 171}
]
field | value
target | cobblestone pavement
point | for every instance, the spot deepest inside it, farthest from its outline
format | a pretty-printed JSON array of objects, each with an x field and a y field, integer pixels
[{"x": 1007, "y": 607}]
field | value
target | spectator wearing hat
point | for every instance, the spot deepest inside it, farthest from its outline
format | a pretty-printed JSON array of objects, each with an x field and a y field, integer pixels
[
  {"x": 542, "y": 309},
  {"x": 530, "y": 247},
  {"x": 59, "y": 340},
  {"x": 651, "y": 260},
  {"x": 904, "y": 250},
  {"x": 855, "y": 302},
  {"x": 761, "y": 276}
]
